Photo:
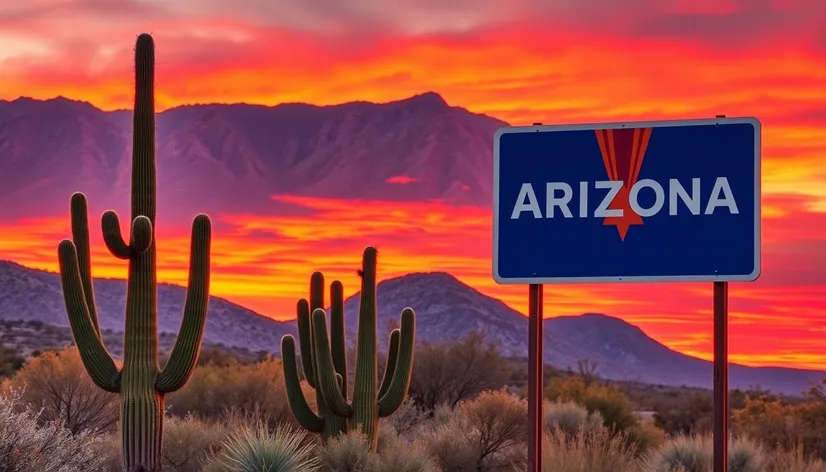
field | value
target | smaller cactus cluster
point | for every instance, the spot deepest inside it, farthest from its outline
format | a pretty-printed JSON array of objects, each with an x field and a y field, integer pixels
[{"x": 324, "y": 361}]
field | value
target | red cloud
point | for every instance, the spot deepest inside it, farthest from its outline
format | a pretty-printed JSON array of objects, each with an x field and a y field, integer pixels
[{"x": 401, "y": 179}]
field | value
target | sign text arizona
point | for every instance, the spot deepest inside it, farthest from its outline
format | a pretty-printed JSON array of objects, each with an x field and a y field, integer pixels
[{"x": 683, "y": 198}]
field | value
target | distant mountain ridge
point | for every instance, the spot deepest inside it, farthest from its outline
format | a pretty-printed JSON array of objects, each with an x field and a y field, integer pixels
[
  {"x": 29, "y": 294},
  {"x": 419, "y": 148},
  {"x": 446, "y": 309}
]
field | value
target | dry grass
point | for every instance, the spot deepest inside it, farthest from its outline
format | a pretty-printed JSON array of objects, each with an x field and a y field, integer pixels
[
  {"x": 350, "y": 453},
  {"x": 595, "y": 451},
  {"x": 794, "y": 460},
  {"x": 187, "y": 443}
]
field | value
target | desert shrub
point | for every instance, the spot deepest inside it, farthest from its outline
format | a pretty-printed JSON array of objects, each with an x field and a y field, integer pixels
[
  {"x": 695, "y": 453},
  {"x": 454, "y": 372},
  {"x": 11, "y": 360},
  {"x": 570, "y": 418},
  {"x": 259, "y": 450},
  {"x": 794, "y": 460},
  {"x": 595, "y": 451},
  {"x": 187, "y": 443},
  {"x": 810, "y": 419},
  {"x": 57, "y": 383},
  {"x": 345, "y": 453},
  {"x": 681, "y": 454},
  {"x": 408, "y": 457},
  {"x": 614, "y": 406},
  {"x": 783, "y": 425},
  {"x": 350, "y": 452},
  {"x": 441, "y": 414},
  {"x": 27, "y": 444},
  {"x": 223, "y": 356},
  {"x": 646, "y": 435},
  {"x": 746, "y": 455},
  {"x": 689, "y": 414},
  {"x": 767, "y": 420},
  {"x": 487, "y": 433},
  {"x": 254, "y": 390},
  {"x": 407, "y": 417}
]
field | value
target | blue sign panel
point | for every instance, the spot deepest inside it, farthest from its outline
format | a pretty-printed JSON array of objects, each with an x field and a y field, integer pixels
[{"x": 636, "y": 202}]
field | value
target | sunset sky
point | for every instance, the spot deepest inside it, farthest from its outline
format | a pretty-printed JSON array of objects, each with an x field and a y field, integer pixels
[{"x": 523, "y": 61}]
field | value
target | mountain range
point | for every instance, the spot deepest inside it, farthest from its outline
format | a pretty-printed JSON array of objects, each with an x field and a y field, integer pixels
[
  {"x": 417, "y": 149},
  {"x": 446, "y": 309}
]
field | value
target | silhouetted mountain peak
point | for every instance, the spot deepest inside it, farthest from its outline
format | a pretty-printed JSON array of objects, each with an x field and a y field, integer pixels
[
  {"x": 612, "y": 337},
  {"x": 57, "y": 103},
  {"x": 423, "y": 278},
  {"x": 599, "y": 323},
  {"x": 431, "y": 100}
]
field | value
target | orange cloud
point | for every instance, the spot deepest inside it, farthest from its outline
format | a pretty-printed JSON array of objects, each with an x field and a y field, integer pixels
[
  {"x": 522, "y": 61},
  {"x": 264, "y": 262},
  {"x": 514, "y": 63}
]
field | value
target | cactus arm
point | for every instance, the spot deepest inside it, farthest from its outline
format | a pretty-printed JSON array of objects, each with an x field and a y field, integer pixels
[
  {"x": 80, "y": 237},
  {"x": 295, "y": 396},
  {"x": 316, "y": 291},
  {"x": 110, "y": 224},
  {"x": 393, "y": 398},
  {"x": 338, "y": 341},
  {"x": 142, "y": 237},
  {"x": 184, "y": 355},
  {"x": 305, "y": 337},
  {"x": 392, "y": 358},
  {"x": 326, "y": 374},
  {"x": 96, "y": 359}
]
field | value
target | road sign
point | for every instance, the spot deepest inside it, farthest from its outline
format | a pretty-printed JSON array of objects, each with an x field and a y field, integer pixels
[{"x": 627, "y": 202}]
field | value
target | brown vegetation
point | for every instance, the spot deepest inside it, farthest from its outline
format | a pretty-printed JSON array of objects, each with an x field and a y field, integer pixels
[{"x": 459, "y": 417}]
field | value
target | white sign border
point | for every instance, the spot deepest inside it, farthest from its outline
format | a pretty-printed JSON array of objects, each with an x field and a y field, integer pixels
[{"x": 754, "y": 275}]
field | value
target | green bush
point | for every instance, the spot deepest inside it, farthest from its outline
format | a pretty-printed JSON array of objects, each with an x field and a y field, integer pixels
[
  {"x": 571, "y": 418},
  {"x": 616, "y": 410},
  {"x": 695, "y": 453},
  {"x": 680, "y": 454}
]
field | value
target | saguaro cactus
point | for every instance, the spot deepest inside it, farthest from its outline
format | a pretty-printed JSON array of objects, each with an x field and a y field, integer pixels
[
  {"x": 325, "y": 422},
  {"x": 140, "y": 382},
  {"x": 370, "y": 400}
]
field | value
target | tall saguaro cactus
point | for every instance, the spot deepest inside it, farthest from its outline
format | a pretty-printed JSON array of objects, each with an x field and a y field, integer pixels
[
  {"x": 140, "y": 382},
  {"x": 325, "y": 368}
]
